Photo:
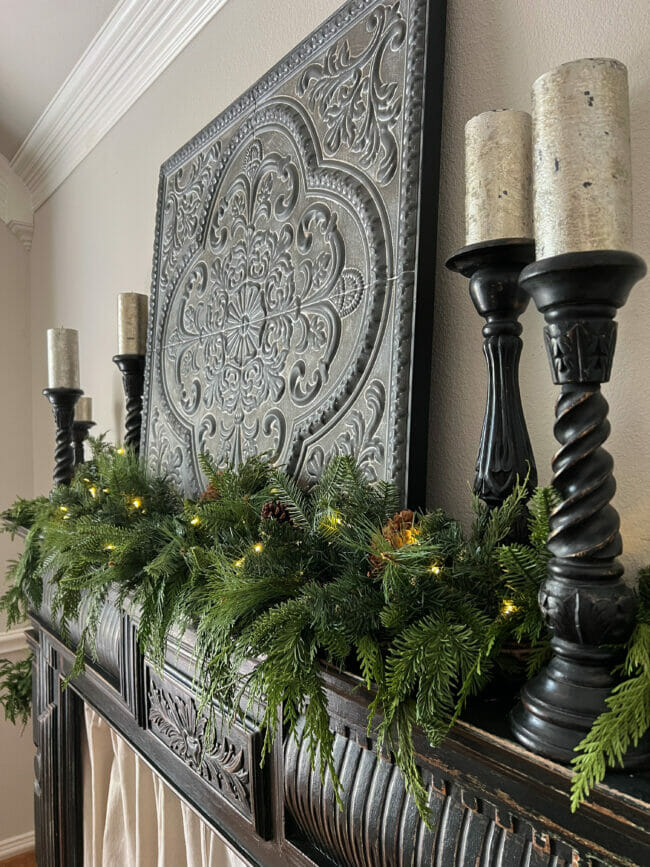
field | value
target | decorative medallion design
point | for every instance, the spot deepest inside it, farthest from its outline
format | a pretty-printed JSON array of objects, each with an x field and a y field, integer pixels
[
  {"x": 257, "y": 327},
  {"x": 174, "y": 719},
  {"x": 283, "y": 287}
]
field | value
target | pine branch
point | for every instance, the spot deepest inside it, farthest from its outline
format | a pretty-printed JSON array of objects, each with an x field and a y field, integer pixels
[
  {"x": 541, "y": 505},
  {"x": 284, "y": 488},
  {"x": 622, "y": 725}
]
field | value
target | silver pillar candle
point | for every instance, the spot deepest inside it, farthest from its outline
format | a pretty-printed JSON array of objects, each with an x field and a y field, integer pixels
[
  {"x": 132, "y": 310},
  {"x": 498, "y": 176},
  {"x": 62, "y": 358},
  {"x": 83, "y": 410},
  {"x": 581, "y": 171}
]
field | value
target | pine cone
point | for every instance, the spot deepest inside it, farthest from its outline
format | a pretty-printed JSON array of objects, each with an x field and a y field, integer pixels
[
  {"x": 398, "y": 531},
  {"x": 210, "y": 493},
  {"x": 274, "y": 510}
]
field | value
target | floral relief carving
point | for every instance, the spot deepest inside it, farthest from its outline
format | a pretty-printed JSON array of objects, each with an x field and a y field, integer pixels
[
  {"x": 184, "y": 205},
  {"x": 174, "y": 719},
  {"x": 359, "y": 437},
  {"x": 581, "y": 353},
  {"x": 359, "y": 107},
  {"x": 164, "y": 453}
]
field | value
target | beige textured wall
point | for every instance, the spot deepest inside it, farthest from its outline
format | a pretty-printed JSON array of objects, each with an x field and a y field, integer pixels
[
  {"x": 15, "y": 377},
  {"x": 94, "y": 237},
  {"x": 16, "y": 749}
]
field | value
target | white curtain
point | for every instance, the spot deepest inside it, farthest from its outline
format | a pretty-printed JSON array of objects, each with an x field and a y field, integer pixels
[{"x": 131, "y": 818}]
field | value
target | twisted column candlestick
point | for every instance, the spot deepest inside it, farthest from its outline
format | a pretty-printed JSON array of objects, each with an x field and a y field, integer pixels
[
  {"x": 584, "y": 601},
  {"x": 63, "y": 401},
  {"x": 505, "y": 453},
  {"x": 80, "y": 430},
  {"x": 132, "y": 369}
]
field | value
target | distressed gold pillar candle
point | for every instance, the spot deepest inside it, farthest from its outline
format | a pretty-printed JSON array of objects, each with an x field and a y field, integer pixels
[
  {"x": 581, "y": 146},
  {"x": 62, "y": 358},
  {"x": 498, "y": 169},
  {"x": 132, "y": 323},
  {"x": 83, "y": 410}
]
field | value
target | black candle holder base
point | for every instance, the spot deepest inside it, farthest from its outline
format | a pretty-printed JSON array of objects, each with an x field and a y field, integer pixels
[
  {"x": 132, "y": 370},
  {"x": 63, "y": 402},
  {"x": 558, "y": 706}
]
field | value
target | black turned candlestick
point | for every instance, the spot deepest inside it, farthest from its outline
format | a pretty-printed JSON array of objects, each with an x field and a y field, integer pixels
[
  {"x": 63, "y": 401},
  {"x": 504, "y": 452},
  {"x": 80, "y": 430},
  {"x": 583, "y": 601},
  {"x": 132, "y": 369}
]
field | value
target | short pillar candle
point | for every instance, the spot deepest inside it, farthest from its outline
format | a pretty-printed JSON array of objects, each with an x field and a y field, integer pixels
[
  {"x": 132, "y": 308},
  {"x": 582, "y": 165},
  {"x": 83, "y": 410},
  {"x": 498, "y": 175},
  {"x": 62, "y": 358}
]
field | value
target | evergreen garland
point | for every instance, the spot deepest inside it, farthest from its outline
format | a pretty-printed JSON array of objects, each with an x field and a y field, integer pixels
[{"x": 288, "y": 578}]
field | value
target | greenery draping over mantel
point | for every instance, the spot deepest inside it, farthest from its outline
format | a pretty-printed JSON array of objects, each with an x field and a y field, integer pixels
[{"x": 427, "y": 613}]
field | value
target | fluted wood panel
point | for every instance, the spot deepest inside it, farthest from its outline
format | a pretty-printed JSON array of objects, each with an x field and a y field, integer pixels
[{"x": 379, "y": 825}]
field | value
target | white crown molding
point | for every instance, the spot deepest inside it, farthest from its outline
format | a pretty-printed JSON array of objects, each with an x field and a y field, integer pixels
[
  {"x": 17, "y": 845},
  {"x": 12, "y": 641},
  {"x": 15, "y": 203},
  {"x": 137, "y": 43}
]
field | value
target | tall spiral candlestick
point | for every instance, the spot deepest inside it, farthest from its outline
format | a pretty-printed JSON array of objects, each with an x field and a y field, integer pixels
[
  {"x": 505, "y": 453},
  {"x": 63, "y": 401},
  {"x": 132, "y": 369},
  {"x": 584, "y": 601}
]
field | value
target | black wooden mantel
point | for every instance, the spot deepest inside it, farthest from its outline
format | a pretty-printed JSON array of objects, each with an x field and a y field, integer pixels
[{"x": 493, "y": 802}]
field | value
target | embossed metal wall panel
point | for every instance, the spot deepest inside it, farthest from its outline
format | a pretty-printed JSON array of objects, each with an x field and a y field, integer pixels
[{"x": 285, "y": 266}]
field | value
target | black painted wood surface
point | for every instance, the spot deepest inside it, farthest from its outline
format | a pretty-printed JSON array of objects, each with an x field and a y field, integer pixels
[{"x": 493, "y": 802}]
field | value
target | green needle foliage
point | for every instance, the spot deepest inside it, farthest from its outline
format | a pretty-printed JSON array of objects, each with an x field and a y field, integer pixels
[
  {"x": 16, "y": 689},
  {"x": 291, "y": 579}
]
